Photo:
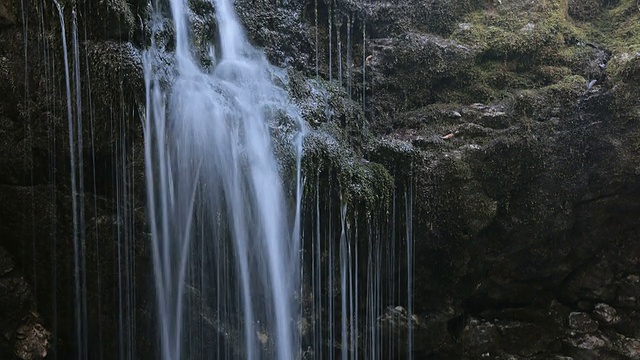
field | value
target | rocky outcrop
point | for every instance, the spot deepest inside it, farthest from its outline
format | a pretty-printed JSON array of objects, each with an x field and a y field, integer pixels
[
  {"x": 22, "y": 334},
  {"x": 522, "y": 220}
]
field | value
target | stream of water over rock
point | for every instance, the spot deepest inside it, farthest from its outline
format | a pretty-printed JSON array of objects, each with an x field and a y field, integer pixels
[{"x": 219, "y": 223}]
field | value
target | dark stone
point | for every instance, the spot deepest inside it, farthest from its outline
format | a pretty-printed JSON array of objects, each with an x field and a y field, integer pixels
[
  {"x": 604, "y": 313},
  {"x": 6, "y": 18},
  {"x": 582, "y": 322},
  {"x": 6, "y": 264}
]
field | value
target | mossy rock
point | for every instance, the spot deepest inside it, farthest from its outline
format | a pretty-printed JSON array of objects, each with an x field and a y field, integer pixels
[
  {"x": 530, "y": 42},
  {"x": 203, "y": 26},
  {"x": 625, "y": 67},
  {"x": 549, "y": 74},
  {"x": 440, "y": 17},
  {"x": 396, "y": 155},
  {"x": 624, "y": 70},
  {"x": 362, "y": 183},
  {"x": 116, "y": 80},
  {"x": 413, "y": 70},
  {"x": 520, "y": 45},
  {"x": 550, "y": 101},
  {"x": 617, "y": 26},
  {"x": 464, "y": 209},
  {"x": 323, "y": 102},
  {"x": 121, "y": 20},
  {"x": 584, "y": 10},
  {"x": 278, "y": 29},
  {"x": 116, "y": 66}
]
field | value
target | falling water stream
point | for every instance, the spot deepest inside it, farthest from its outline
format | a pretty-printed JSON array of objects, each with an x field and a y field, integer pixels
[
  {"x": 213, "y": 178},
  {"x": 77, "y": 209}
]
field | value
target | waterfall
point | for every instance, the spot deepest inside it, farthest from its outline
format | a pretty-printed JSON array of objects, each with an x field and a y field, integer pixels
[{"x": 214, "y": 189}]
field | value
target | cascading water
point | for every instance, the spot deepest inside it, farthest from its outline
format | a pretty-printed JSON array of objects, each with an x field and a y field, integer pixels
[{"x": 214, "y": 187}]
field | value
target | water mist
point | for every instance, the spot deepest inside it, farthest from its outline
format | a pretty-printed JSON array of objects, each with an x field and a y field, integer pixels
[{"x": 222, "y": 235}]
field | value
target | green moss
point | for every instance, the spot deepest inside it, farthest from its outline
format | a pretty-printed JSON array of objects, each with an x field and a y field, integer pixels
[
  {"x": 625, "y": 67},
  {"x": 362, "y": 183},
  {"x": 584, "y": 9},
  {"x": 512, "y": 33},
  {"x": 625, "y": 72},
  {"x": 396, "y": 155},
  {"x": 122, "y": 10},
  {"x": 520, "y": 45},
  {"x": 326, "y": 104},
  {"x": 475, "y": 92},
  {"x": 549, "y": 74},
  {"x": 618, "y": 27},
  {"x": 552, "y": 100}
]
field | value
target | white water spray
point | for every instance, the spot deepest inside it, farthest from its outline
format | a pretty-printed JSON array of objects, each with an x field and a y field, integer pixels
[{"x": 212, "y": 178}]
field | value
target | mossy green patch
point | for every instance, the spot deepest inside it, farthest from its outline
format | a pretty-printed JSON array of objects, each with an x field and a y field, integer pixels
[
  {"x": 531, "y": 33},
  {"x": 625, "y": 67},
  {"x": 618, "y": 27},
  {"x": 362, "y": 183},
  {"x": 552, "y": 100},
  {"x": 520, "y": 45}
]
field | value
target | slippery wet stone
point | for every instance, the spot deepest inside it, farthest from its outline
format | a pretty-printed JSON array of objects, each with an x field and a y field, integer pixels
[
  {"x": 6, "y": 18},
  {"x": 582, "y": 322},
  {"x": 604, "y": 313},
  {"x": 33, "y": 341},
  {"x": 481, "y": 337},
  {"x": 6, "y": 264}
]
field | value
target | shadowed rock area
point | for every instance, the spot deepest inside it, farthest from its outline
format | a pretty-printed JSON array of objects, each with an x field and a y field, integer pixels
[{"x": 525, "y": 172}]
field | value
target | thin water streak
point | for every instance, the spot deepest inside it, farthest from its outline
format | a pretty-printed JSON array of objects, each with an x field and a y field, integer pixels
[{"x": 80, "y": 322}]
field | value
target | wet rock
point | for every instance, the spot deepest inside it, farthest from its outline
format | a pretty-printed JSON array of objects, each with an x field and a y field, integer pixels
[
  {"x": 412, "y": 66},
  {"x": 396, "y": 321},
  {"x": 277, "y": 29},
  {"x": 584, "y": 305},
  {"x": 471, "y": 131},
  {"x": 494, "y": 118},
  {"x": 24, "y": 335},
  {"x": 582, "y": 322},
  {"x": 628, "y": 301},
  {"x": 591, "y": 281},
  {"x": 32, "y": 341},
  {"x": 527, "y": 214},
  {"x": 628, "y": 323},
  {"x": 6, "y": 17},
  {"x": 604, "y": 313},
  {"x": 630, "y": 286},
  {"x": 6, "y": 264},
  {"x": 481, "y": 337},
  {"x": 587, "y": 345},
  {"x": 525, "y": 339},
  {"x": 585, "y": 9}
]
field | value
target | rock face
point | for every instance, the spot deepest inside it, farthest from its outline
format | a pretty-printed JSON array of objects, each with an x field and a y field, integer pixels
[
  {"x": 525, "y": 171},
  {"x": 23, "y": 335}
]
